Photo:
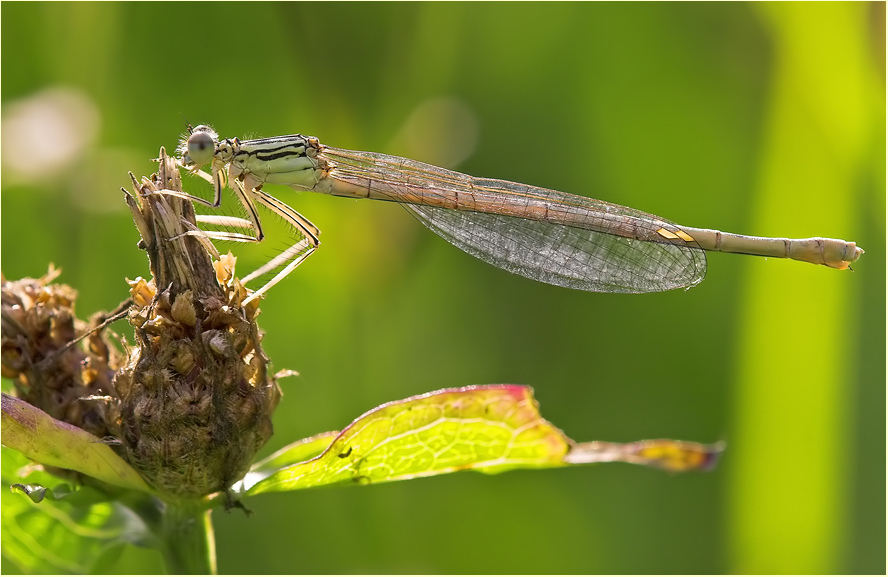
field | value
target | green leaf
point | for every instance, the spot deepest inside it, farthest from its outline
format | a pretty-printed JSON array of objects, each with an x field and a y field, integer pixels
[
  {"x": 490, "y": 429},
  {"x": 296, "y": 452},
  {"x": 290, "y": 455},
  {"x": 35, "y": 434},
  {"x": 59, "y": 536}
]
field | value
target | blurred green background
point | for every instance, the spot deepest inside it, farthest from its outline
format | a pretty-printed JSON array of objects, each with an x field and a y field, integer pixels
[{"x": 753, "y": 118}]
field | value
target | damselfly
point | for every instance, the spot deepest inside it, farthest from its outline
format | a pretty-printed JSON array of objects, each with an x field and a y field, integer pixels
[{"x": 546, "y": 235}]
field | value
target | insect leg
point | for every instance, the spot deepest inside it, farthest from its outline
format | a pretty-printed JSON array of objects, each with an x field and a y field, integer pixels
[
  {"x": 217, "y": 179},
  {"x": 294, "y": 255}
]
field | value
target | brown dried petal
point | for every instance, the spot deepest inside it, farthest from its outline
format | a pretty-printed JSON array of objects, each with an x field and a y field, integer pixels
[{"x": 183, "y": 309}]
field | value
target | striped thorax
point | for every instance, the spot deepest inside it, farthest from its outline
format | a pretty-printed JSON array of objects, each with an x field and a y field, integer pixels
[{"x": 288, "y": 160}]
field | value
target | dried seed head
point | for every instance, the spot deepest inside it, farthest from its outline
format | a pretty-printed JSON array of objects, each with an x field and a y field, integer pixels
[
  {"x": 196, "y": 397},
  {"x": 37, "y": 353}
]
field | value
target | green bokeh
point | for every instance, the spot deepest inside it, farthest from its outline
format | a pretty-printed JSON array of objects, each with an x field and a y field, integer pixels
[{"x": 747, "y": 118}]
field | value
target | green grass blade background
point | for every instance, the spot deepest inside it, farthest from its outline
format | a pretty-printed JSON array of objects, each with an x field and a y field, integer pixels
[{"x": 791, "y": 480}]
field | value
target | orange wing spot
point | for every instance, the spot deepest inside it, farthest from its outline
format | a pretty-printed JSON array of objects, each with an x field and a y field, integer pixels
[
  {"x": 666, "y": 234},
  {"x": 684, "y": 236}
]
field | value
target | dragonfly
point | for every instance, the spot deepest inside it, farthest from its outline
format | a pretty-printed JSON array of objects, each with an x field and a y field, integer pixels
[{"x": 545, "y": 235}]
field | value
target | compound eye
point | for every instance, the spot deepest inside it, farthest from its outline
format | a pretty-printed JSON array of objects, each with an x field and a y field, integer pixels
[{"x": 201, "y": 148}]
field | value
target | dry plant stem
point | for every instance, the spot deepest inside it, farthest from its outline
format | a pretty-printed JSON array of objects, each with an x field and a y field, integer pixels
[{"x": 178, "y": 263}]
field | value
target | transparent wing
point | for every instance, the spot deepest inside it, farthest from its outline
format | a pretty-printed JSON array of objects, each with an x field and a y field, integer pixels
[
  {"x": 542, "y": 234},
  {"x": 566, "y": 256}
]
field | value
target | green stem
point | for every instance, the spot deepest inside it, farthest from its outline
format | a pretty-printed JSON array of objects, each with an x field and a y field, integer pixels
[{"x": 187, "y": 542}]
